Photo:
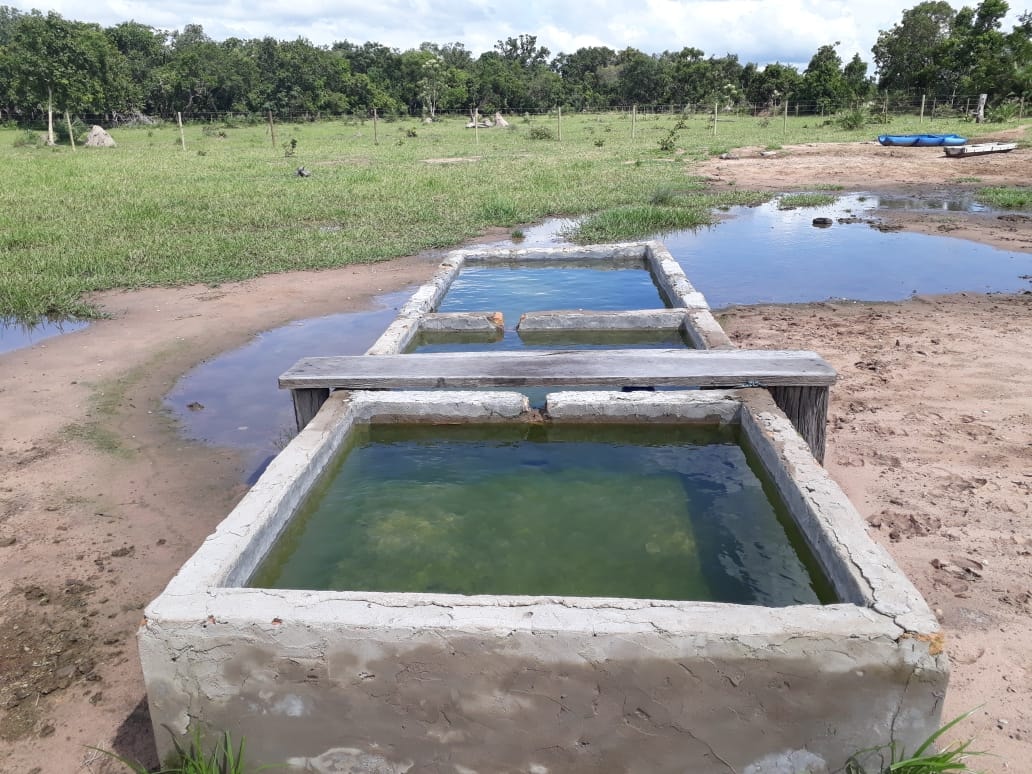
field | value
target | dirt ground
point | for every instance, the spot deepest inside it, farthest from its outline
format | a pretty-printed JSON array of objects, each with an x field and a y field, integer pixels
[{"x": 101, "y": 500}]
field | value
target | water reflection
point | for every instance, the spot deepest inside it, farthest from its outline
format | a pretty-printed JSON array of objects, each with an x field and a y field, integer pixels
[{"x": 15, "y": 335}]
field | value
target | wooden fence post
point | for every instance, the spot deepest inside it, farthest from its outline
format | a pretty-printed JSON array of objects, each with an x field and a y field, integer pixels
[
  {"x": 376, "y": 135},
  {"x": 71, "y": 134},
  {"x": 923, "y": 98},
  {"x": 182, "y": 136},
  {"x": 272, "y": 130}
]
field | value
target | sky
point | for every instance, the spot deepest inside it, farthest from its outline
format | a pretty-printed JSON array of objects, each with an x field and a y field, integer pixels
[{"x": 761, "y": 31}]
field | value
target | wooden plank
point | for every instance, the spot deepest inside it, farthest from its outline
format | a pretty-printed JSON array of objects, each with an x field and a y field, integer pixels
[{"x": 548, "y": 368}]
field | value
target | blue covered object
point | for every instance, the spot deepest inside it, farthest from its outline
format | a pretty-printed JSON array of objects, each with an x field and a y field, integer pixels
[{"x": 910, "y": 140}]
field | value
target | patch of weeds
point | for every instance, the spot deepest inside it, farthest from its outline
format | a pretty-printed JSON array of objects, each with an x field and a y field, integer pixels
[
  {"x": 967, "y": 180},
  {"x": 517, "y": 235},
  {"x": 827, "y": 187},
  {"x": 890, "y": 759},
  {"x": 1006, "y": 198},
  {"x": 857, "y": 118},
  {"x": 541, "y": 133},
  {"x": 98, "y": 437},
  {"x": 191, "y": 757},
  {"x": 290, "y": 147},
  {"x": 28, "y": 139},
  {"x": 774, "y": 147},
  {"x": 599, "y": 142},
  {"x": 795, "y": 201},
  {"x": 668, "y": 144},
  {"x": 635, "y": 221}
]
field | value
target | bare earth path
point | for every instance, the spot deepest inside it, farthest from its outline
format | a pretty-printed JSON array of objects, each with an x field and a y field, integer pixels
[{"x": 101, "y": 500}]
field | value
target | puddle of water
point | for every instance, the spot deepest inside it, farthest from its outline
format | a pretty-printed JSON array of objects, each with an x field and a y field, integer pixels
[
  {"x": 15, "y": 335},
  {"x": 639, "y": 512},
  {"x": 758, "y": 255},
  {"x": 234, "y": 396},
  {"x": 954, "y": 202},
  {"x": 763, "y": 255}
]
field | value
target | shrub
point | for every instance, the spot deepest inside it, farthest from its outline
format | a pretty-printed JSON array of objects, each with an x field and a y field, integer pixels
[{"x": 541, "y": 133}]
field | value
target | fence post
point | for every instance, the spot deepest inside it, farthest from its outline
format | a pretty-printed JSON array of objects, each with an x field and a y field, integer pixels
[
  {"x": 272, "y": 129},
  {"x": 923, "y": 98},
  {"x": 634, "y": 121},
  {"x": 559, "y": 123},
  {"x": 716, "y": 106},
  {"x": 785, "y": 124},
  {"x": 71, "y": 134},
  {"x": 376, "y": 121},
  {"x": 182, "y": 136}
]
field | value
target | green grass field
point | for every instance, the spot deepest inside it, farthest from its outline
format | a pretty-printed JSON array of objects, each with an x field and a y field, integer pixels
[{"x": 230, "y": 207}]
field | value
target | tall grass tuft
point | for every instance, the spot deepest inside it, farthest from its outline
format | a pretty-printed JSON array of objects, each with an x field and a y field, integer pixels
[
  {"x": 191, "y": 758},
  {"x": 1006, "y": 198},
  {"x": 893, "y": 760}
]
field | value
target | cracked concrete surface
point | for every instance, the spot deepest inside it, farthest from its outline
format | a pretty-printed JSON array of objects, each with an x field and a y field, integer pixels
[{"x": 344, "y": 681}]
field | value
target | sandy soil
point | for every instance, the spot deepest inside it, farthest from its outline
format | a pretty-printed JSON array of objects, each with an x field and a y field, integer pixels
[{"x": 101, "y": 500}]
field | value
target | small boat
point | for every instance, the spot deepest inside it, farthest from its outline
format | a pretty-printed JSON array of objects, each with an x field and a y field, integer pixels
[
  {"x": 981, "y": 148},
  {"x": 921, "y": 140}
]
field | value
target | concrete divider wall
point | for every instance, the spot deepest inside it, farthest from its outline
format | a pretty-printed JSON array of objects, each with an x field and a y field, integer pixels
[
  {"x": 346, "y": 681},
  {"x": 698, "y": 323}
]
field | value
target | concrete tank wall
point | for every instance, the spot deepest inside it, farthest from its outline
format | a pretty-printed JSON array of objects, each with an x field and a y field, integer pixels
[{"x": 346, "y": 681}]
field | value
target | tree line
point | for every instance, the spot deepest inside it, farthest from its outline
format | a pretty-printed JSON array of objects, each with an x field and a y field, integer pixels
[{"x": 49, "y": 62}]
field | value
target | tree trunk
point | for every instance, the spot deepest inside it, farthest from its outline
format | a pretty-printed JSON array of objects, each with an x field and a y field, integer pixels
[{"x": 50, "y": 116}]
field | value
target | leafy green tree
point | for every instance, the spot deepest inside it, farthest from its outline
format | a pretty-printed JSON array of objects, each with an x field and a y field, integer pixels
[
  {"x": 53, "y": 62},
  {"x": 854, "y": 76},
  {"x": 642, "y": 79},
  {"x": 584, "y": 75},
  {"x": 772, "y": 85},
  {"x": 823, "y": 85},
  {"x": 912, "y": 54},
  {"x": 978, "y": 51}
]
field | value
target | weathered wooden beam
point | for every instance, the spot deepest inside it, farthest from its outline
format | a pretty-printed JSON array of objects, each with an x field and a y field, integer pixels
[
  {"x": 549, "y": 368},
  {"x": 807, "y": 409},
  {"x": 307, "y": 403}
]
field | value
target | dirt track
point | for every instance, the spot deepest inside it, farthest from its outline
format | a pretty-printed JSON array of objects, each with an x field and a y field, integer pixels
[{"x": 101, "y": 500}]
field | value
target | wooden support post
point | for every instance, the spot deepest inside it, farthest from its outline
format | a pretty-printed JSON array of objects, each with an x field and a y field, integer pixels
[
  {"x": 71, "y": 133},
  {"x": 923, "y": 98},
  {"x": 980, "y": 112},
  {"x": 559, "y": 124},
  {"x": 182, "y": 135},
  {"x": 307, "y": 404},
  {"x": 376, "y": 135},
  {"x": 716, "y": 105},
  {"x": 272, "y": 130},
  {"x": 634, "y": 120},
  {"x": 807, "y": 409},
  {"x": 785, "y": 124}
]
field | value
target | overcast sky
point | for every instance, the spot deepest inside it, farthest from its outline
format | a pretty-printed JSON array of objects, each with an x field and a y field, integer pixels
[{"x": 760, "y": 31}]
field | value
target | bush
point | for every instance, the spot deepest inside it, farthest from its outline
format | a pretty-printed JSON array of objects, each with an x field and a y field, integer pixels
[
  {"x": 1005, "y": 111},
  {"x": 541, "y": 133},
  {"x": 28, "y": 139},
  {"x": 855, "y": 118}
]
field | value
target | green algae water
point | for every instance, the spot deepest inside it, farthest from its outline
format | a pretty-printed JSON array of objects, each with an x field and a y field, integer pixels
[{"x": 644, "y": 512}]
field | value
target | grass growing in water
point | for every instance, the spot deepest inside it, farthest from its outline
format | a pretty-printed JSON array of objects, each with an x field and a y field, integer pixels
[
  {"x": 795, "y": 201},
  {"x": 232, "y": 206},
  {"x": 669, "y": 210},
  {"x": 1006, "y": 198}
]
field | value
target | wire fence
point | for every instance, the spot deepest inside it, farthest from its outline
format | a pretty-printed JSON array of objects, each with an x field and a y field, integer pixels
[{"x": 887, "y": 106}]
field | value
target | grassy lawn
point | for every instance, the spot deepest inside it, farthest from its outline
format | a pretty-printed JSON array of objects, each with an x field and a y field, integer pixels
[{"x": 230, "y": 207}]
